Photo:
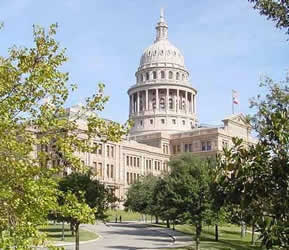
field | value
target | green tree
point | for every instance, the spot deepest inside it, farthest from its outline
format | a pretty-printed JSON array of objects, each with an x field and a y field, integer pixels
[
  {"x": 87, "y": 192},
  {"x": 256, "y": 176},
  {"x": 190, "y": 178},
  {"x": 33, "y": 92},
  {"x": 276, "y": 10},
  {"x": 140, "y": 195}
]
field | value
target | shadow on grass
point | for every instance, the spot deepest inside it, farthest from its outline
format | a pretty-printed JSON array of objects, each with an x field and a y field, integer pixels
[{"x": 53, "y": 230}]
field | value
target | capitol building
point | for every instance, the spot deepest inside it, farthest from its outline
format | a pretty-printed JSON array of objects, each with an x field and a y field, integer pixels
[{"x": 162, "y": 105}]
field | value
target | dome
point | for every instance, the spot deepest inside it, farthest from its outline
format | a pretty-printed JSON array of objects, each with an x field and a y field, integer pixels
[{"x": 160, "y": 52}]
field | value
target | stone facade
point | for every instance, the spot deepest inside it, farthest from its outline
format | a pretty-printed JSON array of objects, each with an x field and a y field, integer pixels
[{"x": 163, "y": 108}]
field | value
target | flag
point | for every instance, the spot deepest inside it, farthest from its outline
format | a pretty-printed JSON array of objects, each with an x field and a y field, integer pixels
[{"x": 235, "y": 97}]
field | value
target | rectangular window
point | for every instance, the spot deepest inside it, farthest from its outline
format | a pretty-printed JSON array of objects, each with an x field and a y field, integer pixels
[
  {"x": 203, "y": 146},
  {"x": 163, "y": 121},
  {"x": 107, "y": 151},
  {"x": 112, "y": 151},
  {"x": 174, "y": 121},
  {"x": 156, "y": 165},
  {"x": 131, "y": 163},
  {"x": 99, "y": 149},
  {"x": 95, "y": 147},
  {"x": 209, "y": 145},
  {"x": 186, "y": 148},
  {"x": 134, "y": 161},
  {"x": 127, "y": 160},
  {"x": 190, "y": 148},
  {"x": 99, "y": 171},
  {"x": 159, "y": 165},
  {"x": 127, "y": 178},
  {"x": 174, "y": 149},
  {"x": 107, "y": 170},
  {"x": 138, "y": 162},
  {"x": 178, "y": 148},
  {"x": 111, "y": 171}
]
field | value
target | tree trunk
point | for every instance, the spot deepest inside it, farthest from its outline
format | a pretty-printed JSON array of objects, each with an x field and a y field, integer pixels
[
  {"x": 243, "y": 229},
  {"x": 216, "y": 232},
  {"x": 62, "y": 238},
  {"x": 253, "y": 234},
  {"x": 168, "y": 223},
  {"x": 77, "y": 236},
  {"x": 174, "y": 225},
  {"x": 72, "y": 228},
  {"x": 198, "y": 234},
  {"x": 157, "y": 219}
]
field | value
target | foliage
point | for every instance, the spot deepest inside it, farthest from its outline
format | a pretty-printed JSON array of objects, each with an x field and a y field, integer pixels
[
  {"x": 256, "y": 176},
  {"x": 33, "y": 92},
  {"x": 140, "y": 195},
  {"x": 276, "y": 10}
]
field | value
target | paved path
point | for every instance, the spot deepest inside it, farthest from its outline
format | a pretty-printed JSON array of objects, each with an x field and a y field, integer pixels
[{"x": 132, "y": 236}]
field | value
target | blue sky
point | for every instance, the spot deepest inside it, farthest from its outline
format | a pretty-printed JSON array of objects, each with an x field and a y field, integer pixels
[{"x": 227, "y": 45}]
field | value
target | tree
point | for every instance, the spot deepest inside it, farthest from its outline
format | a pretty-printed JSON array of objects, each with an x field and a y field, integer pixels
[
  {"x": 276, "y": 10},
  {"x": 90, "y": 195},
  {"x": 190, "y": 178},
  {"x": 33, "y": 92},
  {"x": 140, "y": 195},
  {"x": 256, "y": 176}
]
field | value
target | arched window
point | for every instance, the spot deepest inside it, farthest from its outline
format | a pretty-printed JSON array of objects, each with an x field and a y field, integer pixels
[
  {"x": 162, "y": 74},
  {"x": 147, "y": 76},
  {"x": 178, "y": 76},
  {"x": 154, "y": 75},
  {"x": 183, "y": 77},
  {"x": 154, "y": 103},
  {"x": 170, "y": 75},
  {"x": 141, "y": 78}
]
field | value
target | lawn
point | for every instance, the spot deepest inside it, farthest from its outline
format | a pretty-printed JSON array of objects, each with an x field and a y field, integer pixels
[
  {"x": 54, "y": 233},
  {"x": 125, "y": 215},
  {"x": 229, "y": 238}
]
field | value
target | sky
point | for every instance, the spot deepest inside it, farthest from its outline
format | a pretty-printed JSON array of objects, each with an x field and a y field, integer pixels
[{"x": 226, "y": 44}]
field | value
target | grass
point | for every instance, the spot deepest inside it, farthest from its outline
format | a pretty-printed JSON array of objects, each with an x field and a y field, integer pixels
[
  {"x": 54, "y": 233},
  {"x": 229, "y": 238},
  {"x": 125, "y": 215}
]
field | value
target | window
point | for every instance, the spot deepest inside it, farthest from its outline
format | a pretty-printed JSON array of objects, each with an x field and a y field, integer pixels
[
  {"x": 137, "y": 162},
  {"x": 127, "y": 160},
  {"x": 150, "y": 164},
  {"x": 107, "y": 151},
  {"x": 186, "y": 147},
  {"x": 170, "y": 75},
  {"x": 162, "y": 103},
  {"x": 154, "y": 75},
  {"x": 131, "y": 164},
  {"x": 134, "y": 161},
  {"x": 183, "y": 77},
  {"x": 112, "y": 151},
  {"x": 147, "y": 76},
  {"x": 100, "y": 149},
  {"x": 127, "y": 178},
  {"x": 111, "y": 171},
  {"x": 184, "y": 122},
  {"x": 141, "y": 78},
  {"x": 174, "y": 149},
  {"x": 203, "y": 146},
  {"x": 140, "y": 122},
  {"x": 190, "y": 148},
  {"x": 151, "y": 121},
  {"x": 178, "y": 148},
  {"x": 178, "y": 76},
  {"x": 156, "y": 165},
  {"x": 162, "y": 74},
  {"x": 163, "y": 121},
  {"x": 209, "y": 145},
  {"x": 99, "y": 170},
  {"x": 174, "y": 121},
  {"x": 107, "y": 170},
  {"x": 159, "y": 166}
]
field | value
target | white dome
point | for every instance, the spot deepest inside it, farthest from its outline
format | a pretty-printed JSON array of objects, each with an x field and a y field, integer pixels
[{"x": 160, "y": 52}]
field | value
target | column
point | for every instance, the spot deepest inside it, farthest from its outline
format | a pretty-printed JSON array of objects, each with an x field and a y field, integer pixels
[
  {"x": 147, "y": 99},
  {"x": 138, "y": 108},
  {"x": 157, "y": 99},
  {"x": 195, "y": 104},
  {"x": 178, "y": 101},
  {"x": 192, "y": 102},
  {"x": 186, "y": 102},
  {"x": 167, "y": 100}
]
